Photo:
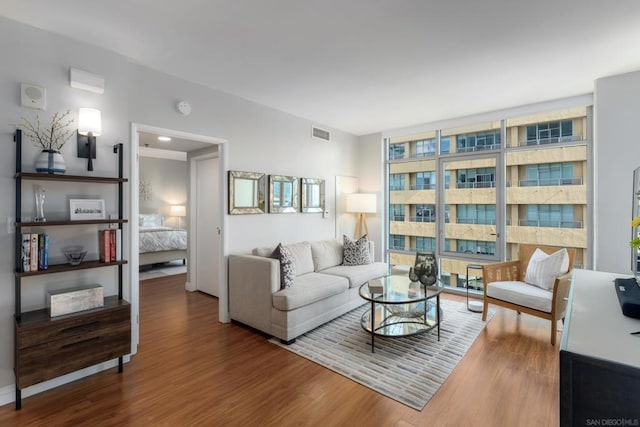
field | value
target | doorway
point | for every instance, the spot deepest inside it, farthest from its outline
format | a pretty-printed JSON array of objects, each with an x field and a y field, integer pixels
[{"x": 191, "y": 219}]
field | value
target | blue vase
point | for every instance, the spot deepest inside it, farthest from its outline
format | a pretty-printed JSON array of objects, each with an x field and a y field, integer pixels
[{"x": 50, "y": 161}]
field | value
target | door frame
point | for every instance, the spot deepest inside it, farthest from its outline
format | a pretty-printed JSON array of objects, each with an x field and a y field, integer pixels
[
  {"x": 133, "y": 293},
  {"x": 193, "y": 261}
]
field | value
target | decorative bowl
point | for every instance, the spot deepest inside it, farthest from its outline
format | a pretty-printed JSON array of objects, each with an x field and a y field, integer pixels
[{"x": 74, "y": 254}]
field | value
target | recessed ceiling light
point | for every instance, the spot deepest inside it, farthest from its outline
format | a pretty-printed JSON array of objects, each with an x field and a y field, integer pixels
[{"x": 164, "y": 138}]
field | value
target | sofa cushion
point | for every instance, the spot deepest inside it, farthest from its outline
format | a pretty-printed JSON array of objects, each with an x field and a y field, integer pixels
[
  {"x": 521, "y": 293},
  {"x": 543, "y": 269},
  {"x": 358, "y": 274},
  {"x": 326, "y": 253},
  {"x": 287, "y": 265},
  {"x": 309, "y": 288},
  {"x": 356, "y": 252},
  {"x": 302, "y": 258}
]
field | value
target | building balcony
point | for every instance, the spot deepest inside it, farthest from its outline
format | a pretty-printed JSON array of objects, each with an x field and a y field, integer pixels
[
  {"x": 550, "y": 182},
  {"x": 554, "y": 224},
  {"x": 554, "y": 140},
  {"x": 481, "y": 184},
  {"x": 478, "y": 148}
]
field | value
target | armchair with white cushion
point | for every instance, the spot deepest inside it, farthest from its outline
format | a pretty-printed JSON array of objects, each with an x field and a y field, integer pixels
[{"x": 537, "y": 283}]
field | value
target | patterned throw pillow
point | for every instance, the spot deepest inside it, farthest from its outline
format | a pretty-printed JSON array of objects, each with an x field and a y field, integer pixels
[
  {"x": 356, "y": 252},
  {"x": 287, "y": 266}
]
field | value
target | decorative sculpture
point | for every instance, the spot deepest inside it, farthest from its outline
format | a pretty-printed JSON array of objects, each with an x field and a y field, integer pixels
[
  {"x": 425, "y": 269},
  {"x": 40, "y": 194}
]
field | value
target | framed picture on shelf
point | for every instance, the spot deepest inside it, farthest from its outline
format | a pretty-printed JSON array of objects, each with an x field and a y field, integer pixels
[{"x": 80, "y": 209}]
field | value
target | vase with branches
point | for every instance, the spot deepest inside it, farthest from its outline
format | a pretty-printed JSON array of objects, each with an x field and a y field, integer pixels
[{"x": 50, "y": 139}]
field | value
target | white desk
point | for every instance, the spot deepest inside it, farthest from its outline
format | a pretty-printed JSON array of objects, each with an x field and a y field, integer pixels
[{"x": 599, "y": 359}]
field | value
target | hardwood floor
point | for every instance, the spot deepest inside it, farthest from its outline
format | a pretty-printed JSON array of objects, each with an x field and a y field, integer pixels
[{"x": 192, "y": 370}]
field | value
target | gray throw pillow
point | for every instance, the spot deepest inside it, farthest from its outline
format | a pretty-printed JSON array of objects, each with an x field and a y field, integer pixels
[
  {"x": 356, "y": 252},
  {"x": 287, "y": 265}
]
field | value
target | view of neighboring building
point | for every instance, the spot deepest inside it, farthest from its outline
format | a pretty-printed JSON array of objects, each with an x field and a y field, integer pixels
[{"x": 523, "y": 178}]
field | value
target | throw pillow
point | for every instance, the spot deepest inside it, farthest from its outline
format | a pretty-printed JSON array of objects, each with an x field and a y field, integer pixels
[
  {"x": 543, "y": 269},
  {"x": 287, "y": 265},
  {"x": 356, "y": 252}
]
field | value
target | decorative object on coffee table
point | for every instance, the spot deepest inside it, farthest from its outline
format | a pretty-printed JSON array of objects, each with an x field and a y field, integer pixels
[{"x": 425, "y": 269}]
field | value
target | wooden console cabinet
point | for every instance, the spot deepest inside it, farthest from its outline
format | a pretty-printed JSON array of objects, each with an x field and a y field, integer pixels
[
  {"x": 599, "y": 358},
  {"x": 47, "y": 347}
]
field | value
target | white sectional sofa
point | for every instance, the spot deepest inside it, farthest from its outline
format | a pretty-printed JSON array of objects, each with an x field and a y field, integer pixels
[{"x": 322, "y": 290}]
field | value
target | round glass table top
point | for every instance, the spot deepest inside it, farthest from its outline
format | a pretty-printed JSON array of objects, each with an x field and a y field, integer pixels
[{"x": 398, "y": 290}]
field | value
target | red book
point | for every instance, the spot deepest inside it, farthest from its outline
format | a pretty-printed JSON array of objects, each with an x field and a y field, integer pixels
[
  {"x": 104, "y": 245},
  {"x": 112, "y": 243}
]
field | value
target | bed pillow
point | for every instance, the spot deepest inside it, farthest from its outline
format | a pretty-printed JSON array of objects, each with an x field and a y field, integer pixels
[
  {"x": 356, "y": 252},
  {"x": 150, "y": 220},
  {"x": 287, "y": 265},
  {"x": 543, "y": 269}
]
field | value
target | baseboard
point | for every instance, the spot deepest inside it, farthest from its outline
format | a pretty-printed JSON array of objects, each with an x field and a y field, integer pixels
[{"x": 8, "y": 393}]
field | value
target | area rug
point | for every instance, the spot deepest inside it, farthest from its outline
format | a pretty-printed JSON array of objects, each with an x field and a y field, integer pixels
[{"x": 407, "y": 369}]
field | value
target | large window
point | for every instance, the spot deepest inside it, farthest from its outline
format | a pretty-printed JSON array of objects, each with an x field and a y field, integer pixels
[
  {"x": 545, "y": 133},
  {"x": 476, "y": 214},
  {"x": 425, "y": 213},
  {"x": 396, "y": 182},
  {"x": 550, "y": 216},
  {"x": 550, "y": 174},
  {"x": 477, "y": 247},
  {"x": 509, "y": 185},
  {"x": 396, "y": 151},
  {"x": 425, "y": 243},
  {"x": 396, "y": 212},
  {"x": 396, "y": 242},
  {"x": 478, "y": 141},
  {"x": 425, "y": 181},
  {"x": 476, "y": 178}
]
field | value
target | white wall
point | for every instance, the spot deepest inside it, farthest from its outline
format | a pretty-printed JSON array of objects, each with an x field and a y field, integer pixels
[
  {"x": 617, "y": 154},
  {"x": 168, "y": 180},
  {"x": 260, "y": 139}
]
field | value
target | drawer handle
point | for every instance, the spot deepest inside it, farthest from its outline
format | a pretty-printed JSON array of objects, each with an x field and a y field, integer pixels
[
  {"x": 79, "y": 327},
  {"x": 75, "y": 344}
]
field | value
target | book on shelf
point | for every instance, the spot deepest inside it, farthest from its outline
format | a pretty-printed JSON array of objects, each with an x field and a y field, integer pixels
[
  {"x": 43, "y": 251},
  {"x": 26, "y": 252},
  {"x": 104, "y": 245},
  {"x": 33, "y": 250},
  {"x": 112, "y": 244},
  {"x": 118, "y": 244}
]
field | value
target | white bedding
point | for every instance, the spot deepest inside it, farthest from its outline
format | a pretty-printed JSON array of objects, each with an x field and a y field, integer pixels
[{"x": 157, "y": 239}]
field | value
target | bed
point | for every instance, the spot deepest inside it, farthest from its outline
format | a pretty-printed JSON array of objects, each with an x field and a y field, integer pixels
[{"x": 158, "y": 243}]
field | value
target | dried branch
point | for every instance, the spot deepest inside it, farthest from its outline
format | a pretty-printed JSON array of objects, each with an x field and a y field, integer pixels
[{"x": 54, "y": 136}]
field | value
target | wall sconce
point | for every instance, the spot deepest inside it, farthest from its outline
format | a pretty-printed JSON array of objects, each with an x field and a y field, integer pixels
[
  {"x": 89, "y": 126},
  {"x": 179, "y": 211},
  {"x": 361, "y": 203}
]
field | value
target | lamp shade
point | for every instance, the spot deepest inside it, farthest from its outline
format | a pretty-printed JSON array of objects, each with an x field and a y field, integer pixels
[
  {"x": 361, "y": 203},
  {"x": 89, "y": 121},
  {"x": 178, "y": 210}
]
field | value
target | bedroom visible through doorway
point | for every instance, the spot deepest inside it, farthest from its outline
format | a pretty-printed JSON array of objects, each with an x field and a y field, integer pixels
[{"x": 164, "y": 198}]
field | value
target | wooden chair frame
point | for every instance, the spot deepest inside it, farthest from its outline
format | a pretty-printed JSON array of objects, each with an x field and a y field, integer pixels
[{"x": 516, "y": 270}]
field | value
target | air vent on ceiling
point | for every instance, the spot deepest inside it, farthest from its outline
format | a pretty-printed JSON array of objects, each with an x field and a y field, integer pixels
[{"x": 322, "y": 134}]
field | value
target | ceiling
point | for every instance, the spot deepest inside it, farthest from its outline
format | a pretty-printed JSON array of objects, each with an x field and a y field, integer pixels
[
  {"x": 146, "y": 139},
  {"x": 363, "y": 66}
]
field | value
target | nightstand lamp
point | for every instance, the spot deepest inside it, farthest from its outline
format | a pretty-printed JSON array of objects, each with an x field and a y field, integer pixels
[{"x": 179, "y": 211}]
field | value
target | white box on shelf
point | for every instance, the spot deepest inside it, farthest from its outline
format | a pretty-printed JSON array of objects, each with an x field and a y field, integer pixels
[{"x": 72, "y": 300}]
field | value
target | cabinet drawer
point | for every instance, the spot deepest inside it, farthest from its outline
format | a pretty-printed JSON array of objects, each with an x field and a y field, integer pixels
[
  {"x": 78, "y": 325},
  {"x": 45, "y": 361}
]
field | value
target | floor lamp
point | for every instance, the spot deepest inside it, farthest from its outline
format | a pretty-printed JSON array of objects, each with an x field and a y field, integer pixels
[{"x": 361, "y": 204}]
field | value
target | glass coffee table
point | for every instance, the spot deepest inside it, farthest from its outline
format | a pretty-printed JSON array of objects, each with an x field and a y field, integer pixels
[{"x": 401, "y": 307}]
